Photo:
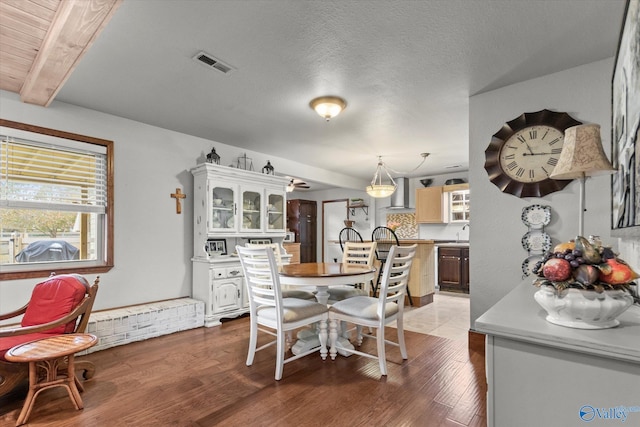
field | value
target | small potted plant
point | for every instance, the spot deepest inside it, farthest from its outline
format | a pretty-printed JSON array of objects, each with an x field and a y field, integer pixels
[
  {"x": 393, "y": 225},
  {"x": 584, "y": 284}
]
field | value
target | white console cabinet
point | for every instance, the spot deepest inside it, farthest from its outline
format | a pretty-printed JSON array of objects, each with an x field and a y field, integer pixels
[
  {"x": 231, "y": 205},
  {"x": 220, "y": 284},
  {"x": 541, "y": 374}
]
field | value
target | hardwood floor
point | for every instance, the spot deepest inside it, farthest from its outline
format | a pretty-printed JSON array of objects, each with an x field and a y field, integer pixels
[{"x": 199, "y": 378}]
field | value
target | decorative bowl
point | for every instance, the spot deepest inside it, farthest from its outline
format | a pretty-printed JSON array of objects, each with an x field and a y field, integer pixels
[
  {"x": 454, "y": 181},
  {"x": 583, "y": 308},
  {"x": 348, "y": 223},
  {"x": 426, "y": 182}
]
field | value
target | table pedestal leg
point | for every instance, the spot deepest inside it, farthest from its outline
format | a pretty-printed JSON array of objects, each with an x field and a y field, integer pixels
[{"x": 308, "y": 339}]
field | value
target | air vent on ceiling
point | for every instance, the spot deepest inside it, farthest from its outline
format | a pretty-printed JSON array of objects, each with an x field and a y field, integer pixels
[{"x": 213, "y": 62}]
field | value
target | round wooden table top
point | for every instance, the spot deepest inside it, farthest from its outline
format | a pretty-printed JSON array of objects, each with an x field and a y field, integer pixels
[
  {"x": 324, "y": 269},
  {"x": 51, "y": 348}
]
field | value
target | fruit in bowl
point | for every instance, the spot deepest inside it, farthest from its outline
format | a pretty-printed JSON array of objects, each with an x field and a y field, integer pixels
[
  {"x": 584, "y": 265},
  {"x": 584, "y": 285}
]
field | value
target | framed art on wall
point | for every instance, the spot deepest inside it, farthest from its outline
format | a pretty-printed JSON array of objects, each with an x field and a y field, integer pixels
[{"x": 625, "y": 127}]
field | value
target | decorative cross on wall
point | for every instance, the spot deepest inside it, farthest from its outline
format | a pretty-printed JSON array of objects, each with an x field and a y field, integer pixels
[{"x": 178, "y": 195}]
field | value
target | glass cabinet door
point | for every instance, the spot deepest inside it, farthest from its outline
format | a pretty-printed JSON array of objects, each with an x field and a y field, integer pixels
[
  {"x": 222, "y": 207},
  {"x": 459, "y": 206},
  {"x": 276, "y": 210},
  {"x": 251, "y": 209}
]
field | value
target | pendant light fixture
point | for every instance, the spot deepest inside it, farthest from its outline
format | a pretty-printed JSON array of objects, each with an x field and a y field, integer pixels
[
  {"x": 328, "y": 106},
  {"x": 377, "y": 189}
]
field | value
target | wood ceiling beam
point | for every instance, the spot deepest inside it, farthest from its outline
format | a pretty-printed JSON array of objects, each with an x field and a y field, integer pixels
[{"x": 75, "y": 26}]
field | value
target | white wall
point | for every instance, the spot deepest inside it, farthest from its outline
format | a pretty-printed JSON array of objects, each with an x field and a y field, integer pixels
[
  {"x": 496, "y": 252},
  {"x": 153, "y": 244}
]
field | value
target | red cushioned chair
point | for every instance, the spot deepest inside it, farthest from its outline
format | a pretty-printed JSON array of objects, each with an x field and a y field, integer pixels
[{"x": 59, "y": 305}]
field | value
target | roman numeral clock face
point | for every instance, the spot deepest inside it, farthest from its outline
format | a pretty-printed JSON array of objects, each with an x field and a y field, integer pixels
[
  {"x": 531, "y": 153},
  {"x": 522, "y": 154}
]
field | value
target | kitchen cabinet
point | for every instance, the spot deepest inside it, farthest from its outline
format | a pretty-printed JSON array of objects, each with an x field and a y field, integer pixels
[
  {"x": 453, "y": 268},
  {"x": 440, "y": 205},
  {"x": 459, "y": 206},
  {"x": 429, "y": 206}
]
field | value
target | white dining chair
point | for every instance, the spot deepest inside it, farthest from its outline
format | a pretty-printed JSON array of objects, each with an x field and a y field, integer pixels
[
  {"x": 287, "y": 292},
  {"x": 377, "y": 312},
  {"x": 268, "y": 308},
  {"x": 354, "y": 253}
]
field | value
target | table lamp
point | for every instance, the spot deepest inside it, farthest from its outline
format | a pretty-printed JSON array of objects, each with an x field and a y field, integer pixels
[{"x": 582, "y": 156}]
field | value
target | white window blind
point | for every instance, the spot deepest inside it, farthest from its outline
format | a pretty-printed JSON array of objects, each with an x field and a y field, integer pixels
[{"x": 48, "y": 176}]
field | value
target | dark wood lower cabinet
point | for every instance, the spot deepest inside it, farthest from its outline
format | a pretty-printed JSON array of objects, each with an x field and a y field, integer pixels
[{"x": 453, "y": 269}]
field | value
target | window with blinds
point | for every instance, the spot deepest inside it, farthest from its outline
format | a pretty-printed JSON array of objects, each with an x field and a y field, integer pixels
[
  {"x": 33, "y": 175},
  {"x": 55, "y": 212}
]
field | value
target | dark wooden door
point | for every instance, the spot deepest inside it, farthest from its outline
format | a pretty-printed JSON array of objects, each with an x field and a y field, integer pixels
[{"x": 302, "y": 220}]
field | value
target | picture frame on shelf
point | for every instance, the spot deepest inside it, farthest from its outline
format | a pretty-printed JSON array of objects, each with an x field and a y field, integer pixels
[
  {"x": 261, "y": 241},
  {"x": 625, "y": 128},
  {"x": 218, "y": 246}
]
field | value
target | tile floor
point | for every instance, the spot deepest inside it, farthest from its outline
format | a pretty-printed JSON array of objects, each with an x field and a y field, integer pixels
[{"x": 448, "y": 317}]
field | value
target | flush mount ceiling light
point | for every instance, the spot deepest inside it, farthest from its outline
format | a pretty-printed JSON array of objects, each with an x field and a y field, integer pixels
[
  {"x": 328, "y": 106},
  {"x": 377, "y": 188}
]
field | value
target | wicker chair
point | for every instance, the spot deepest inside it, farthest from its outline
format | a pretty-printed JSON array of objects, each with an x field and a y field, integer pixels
[{"x": 59, "y": 305}]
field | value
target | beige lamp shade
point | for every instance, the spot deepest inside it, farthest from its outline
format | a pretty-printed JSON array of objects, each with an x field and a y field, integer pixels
[{"x": 582, "y": 154}]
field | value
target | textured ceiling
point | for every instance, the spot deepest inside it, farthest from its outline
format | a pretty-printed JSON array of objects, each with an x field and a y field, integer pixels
[{"x": 406, "y": 69}]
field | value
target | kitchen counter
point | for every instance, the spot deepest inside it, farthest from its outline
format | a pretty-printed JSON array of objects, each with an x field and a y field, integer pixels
[{"x": 422, "y": 276}]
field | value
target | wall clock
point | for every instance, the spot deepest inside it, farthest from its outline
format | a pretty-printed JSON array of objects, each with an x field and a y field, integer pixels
[{"x": 524, "y": 152}]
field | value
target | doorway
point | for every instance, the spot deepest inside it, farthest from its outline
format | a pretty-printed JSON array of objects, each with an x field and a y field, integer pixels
[{"x": 334, "y": 212}]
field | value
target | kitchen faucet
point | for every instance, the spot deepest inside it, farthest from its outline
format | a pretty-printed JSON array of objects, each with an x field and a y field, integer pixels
[{"x": 466, "y": 225}]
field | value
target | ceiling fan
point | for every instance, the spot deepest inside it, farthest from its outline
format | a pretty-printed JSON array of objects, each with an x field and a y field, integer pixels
[{"x": 297, "y": 184}]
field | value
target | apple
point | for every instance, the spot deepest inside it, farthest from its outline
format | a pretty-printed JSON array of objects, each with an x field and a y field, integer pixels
[{"x": 556, "y": 269}]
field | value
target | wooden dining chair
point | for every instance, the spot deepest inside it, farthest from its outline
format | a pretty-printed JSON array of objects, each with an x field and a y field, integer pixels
[
  {"x": 286, "y": 292},
  {"x": 354, "y": 253},
  {"x": 377, "y": 312},
  {"x": 268, "y": 308},
  {"x": 385, "y": 238}
]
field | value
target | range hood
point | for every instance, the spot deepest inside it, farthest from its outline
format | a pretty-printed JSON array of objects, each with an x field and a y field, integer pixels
[{"x": 400, "y": 198}]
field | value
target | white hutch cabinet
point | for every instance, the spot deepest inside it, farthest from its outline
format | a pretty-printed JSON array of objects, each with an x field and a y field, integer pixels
[{"x": 231, "y": 205}]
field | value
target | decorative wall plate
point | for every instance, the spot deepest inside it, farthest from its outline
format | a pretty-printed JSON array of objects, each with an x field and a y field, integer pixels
[
  {"x": 536, "y": 216},
  {"x": 537, "y": 241},
  {"x": 529, "y": 263}
]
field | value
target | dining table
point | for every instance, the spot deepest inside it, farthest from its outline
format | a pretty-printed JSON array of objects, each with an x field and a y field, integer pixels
[{"x": 322, "y": 276}]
